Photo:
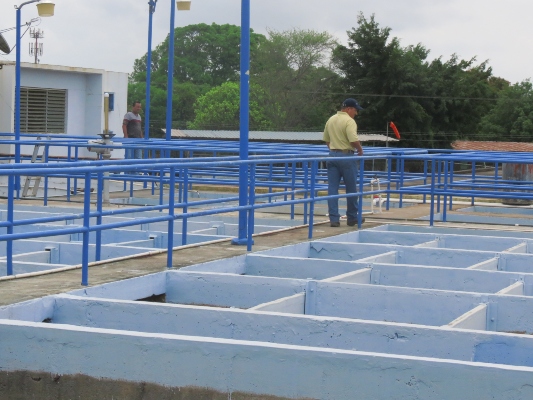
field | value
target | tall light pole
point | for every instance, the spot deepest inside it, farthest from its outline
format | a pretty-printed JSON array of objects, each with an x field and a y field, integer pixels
[
  {"x": 182, "y": 5},
  {"x": 151, "y": 4},
  {"x": 244, "y": 120},
  {"x": 45, "y": 9}
]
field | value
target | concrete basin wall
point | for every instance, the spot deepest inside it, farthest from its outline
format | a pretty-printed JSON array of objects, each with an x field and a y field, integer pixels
[{"x": 378, "y": 314}]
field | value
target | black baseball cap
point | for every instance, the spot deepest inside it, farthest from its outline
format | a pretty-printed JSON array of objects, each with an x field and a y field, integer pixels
[{"x": 352, "y": 103}]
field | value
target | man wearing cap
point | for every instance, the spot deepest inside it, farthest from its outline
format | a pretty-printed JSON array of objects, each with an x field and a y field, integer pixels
[{"x": 340, "y": 135}]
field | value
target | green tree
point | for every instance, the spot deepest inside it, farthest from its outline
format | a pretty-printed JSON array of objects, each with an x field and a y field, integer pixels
[
  {"x": 511, "y": 117},
  {"x": 205, "y": 57},
  {"x": 462, "y": 92},
  {"x": 431, "y": 103},
  {"x": 388, "y": 79},
  {"x": 294, "y": 68},
  {"x": 219, "y": 108}
]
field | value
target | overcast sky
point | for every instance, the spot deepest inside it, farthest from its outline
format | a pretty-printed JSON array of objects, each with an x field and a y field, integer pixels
[{"x": 111, "y": 34}]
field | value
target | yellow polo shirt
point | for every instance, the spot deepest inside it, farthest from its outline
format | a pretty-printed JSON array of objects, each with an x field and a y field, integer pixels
[{"x": 340, "y": 131}]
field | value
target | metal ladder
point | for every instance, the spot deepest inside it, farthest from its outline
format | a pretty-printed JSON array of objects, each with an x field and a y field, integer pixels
[{"x": 36, "y": 180}]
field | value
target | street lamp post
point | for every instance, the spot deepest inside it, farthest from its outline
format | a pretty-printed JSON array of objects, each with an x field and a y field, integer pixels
[
  {"x": 182, "y": 5},
  {"x": 45, "y": 9},
  {"x": 152, "y": 4}
]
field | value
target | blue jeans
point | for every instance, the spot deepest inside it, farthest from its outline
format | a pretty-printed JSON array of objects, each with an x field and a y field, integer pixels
[
  {"x": 134, "y": 154},
  {"x": 347, "y": 170}
]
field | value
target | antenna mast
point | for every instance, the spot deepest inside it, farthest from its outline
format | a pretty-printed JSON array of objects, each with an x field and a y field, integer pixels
[{"x": 36, "y": 48}]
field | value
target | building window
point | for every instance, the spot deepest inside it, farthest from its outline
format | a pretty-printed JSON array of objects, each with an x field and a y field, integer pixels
[{"x": 43, "y": 110}]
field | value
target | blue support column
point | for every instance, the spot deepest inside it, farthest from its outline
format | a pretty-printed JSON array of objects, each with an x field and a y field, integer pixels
[
  {"x": 170, "y": 73},
  {"x": 244, "y": 120}
]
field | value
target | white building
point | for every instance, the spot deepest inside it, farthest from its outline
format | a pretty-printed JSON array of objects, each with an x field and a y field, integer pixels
[{"x": 61, "y": 100}]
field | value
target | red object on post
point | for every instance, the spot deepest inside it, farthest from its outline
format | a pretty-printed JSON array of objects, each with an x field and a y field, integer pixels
[{"x": 396, "y": 132}]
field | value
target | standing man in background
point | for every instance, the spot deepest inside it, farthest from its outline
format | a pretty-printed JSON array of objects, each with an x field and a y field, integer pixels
[
  {"x": 131, "y": 127},
  {"x": 340, "y": 135}
]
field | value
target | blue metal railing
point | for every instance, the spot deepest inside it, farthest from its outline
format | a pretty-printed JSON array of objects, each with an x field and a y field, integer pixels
[{"x": 290, "y": 174}]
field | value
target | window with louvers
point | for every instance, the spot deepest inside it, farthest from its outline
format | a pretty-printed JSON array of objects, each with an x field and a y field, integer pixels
[{"x": 43, "y": 110}]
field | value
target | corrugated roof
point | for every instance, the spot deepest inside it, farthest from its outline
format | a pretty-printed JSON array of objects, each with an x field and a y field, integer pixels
[
  {"x": 492, "y": 146},
  {"x": 269, "y": 136}
]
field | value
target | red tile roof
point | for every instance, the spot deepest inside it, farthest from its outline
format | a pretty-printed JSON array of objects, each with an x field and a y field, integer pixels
[{"x": 492, "y": 146}]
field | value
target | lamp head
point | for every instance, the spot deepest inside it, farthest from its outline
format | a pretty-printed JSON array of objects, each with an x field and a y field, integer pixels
[
  {"x": 183, "y": 5},
  {"x": 45, "y": 8},
  {"x": 4, "y": 47}
]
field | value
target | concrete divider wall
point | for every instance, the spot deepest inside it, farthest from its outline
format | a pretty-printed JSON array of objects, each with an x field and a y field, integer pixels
[
  {"x": 226, "y": 290},
  {"x": 404, "y": 255},
  {"x": 393, "y": 304},
  {"x": 232, "y": 265},
  {"x": 128, "y": 289},
  {"x": 299, "y": 268},
  {"x": 374, "y": 336},
  {"x": 27, "y": 267},
  {"x": 450, "y": 241},
  {"x": 453, "y": 231},
  {"x": 229, "y": 365},
  {"x": 443, "y": 278}
]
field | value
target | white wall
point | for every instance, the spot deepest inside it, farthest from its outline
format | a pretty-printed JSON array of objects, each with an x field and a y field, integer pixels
[{"x": 85, "y": 98}]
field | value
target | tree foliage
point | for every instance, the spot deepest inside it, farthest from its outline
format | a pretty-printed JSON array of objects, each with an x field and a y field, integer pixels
[
  {"x": 294, "y": 68},
  {"x": 300, "y": 77},
  {"x": 511, "y": 118},
  {"x": 219, "y": 108},
  {"x": 206, "y": 56},
  {"x": 432, "y": 103}
]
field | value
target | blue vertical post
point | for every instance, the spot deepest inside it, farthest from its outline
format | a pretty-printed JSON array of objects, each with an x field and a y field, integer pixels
[
  {"x": 251, "y": 211},
  {"x": 432, "y": 194},
  {"x": 86, "y": 225},
  {"x": 445, "y": 189},
  {"x": 244, "y": 119},
  {"x": 171, "y": 213},
  {"x": 99, "y": 204},
  {"x": 314, "y": 173},
  {"x": 151, "y": 11},
  {"x": 389, "y": 177},
  {"x": 10, "y": 215},
  {"x": 185, "y": 207},
  {"x": 170, "y": 72},
  {"x": 17, "y": 102},
  {"x": 306, "y": 189},
  {"x": 361, "y": 190}
]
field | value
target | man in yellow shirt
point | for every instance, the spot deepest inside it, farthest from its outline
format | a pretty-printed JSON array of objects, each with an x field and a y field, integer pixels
[{"x": 340, "y": 135}]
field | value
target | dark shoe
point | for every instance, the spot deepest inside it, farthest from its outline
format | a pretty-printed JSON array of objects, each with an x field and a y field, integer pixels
[
  {"x": 335, "y": 224},
  {"x": 353, "y": 223}
]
